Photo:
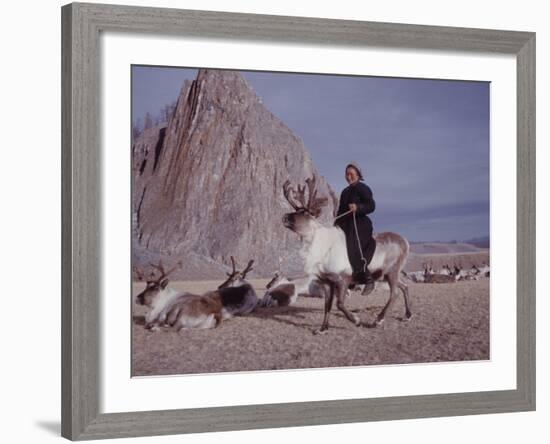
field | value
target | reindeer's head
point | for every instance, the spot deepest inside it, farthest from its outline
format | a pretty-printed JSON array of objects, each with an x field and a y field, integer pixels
[
  {"x": 305, "y": 211},
  {"x": 155, "y": 285},
  {"x": 278, "y": 277},
  {"x": 236, "y": 278}
]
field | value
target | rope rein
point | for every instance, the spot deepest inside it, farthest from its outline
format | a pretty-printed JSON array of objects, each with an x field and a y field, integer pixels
[
  {"x": 359, "y": 243},
  {"x": 342, "y": 215},
  {"x": 356, "y": 236}
]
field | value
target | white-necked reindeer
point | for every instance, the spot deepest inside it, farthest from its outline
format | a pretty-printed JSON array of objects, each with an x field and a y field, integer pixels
[
  {"x": 325, "y": 254},
  {"x": 181, "y": 310},
  {"x": 157, "y": 296},
  {"x": 415, "y": 276}
]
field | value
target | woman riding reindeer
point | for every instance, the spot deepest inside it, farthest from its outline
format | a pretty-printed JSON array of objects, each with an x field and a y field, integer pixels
[{"x": 356, "y": 202}]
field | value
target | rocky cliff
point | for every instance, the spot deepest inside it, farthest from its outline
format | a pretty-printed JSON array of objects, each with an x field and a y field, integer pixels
[{"x": 208, "y": 184}]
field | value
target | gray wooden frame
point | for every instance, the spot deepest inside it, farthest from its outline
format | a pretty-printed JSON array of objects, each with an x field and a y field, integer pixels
[{"x": 81, "y": 233}]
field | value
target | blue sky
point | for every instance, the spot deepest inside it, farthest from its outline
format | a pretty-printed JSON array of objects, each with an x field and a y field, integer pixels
[{"x": 423, "y": 144}]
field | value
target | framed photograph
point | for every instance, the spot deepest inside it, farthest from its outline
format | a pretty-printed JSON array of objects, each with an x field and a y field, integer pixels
[{"x": 278, "y": 221}]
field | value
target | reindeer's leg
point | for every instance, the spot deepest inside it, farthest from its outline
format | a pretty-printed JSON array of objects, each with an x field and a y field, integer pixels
[
  {"x": 341, "y": 289},
  {"x": 405, "y": 291},
  {"x": 393, "y": 278},
  {"x": 173, "y": 315},
  {"x": 329, "y": 297}
]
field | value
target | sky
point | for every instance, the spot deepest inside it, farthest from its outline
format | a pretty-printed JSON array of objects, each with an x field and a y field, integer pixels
[{"x": 423, "y": 144}]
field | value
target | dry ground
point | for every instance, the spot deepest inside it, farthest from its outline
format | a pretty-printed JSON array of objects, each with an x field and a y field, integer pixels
[{"x": 450, "y": 323}]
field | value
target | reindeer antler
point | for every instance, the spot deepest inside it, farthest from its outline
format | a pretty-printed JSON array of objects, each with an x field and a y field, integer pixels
[
  {"x": 311, "y": 182},
  {"x": 300, "y": 195},
  {"x": 158, "y": 267},
  {"x": 234, "y": 267},
  {"x": 314, "y": 203},
  {"x": 138, "y": 273},
  {"x": 164, "y": 273},
  {"x": 273, "y": 279},
  {"x": 248, "y": 268},
  {"x": 287, "y": 192}
]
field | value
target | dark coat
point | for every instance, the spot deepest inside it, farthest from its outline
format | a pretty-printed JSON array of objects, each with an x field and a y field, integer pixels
[{"x": 361, "y": 195}]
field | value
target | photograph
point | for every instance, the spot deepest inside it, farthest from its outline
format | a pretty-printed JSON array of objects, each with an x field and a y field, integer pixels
[
  {"x": 285, "y": 221},
  {"x": 275, "y": 222}
]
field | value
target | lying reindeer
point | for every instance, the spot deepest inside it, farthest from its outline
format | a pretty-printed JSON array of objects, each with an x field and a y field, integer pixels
[
  {"x": 282, "y": 291},
  {"x": 415, "y": 276},
  {"x": 185, "y": 310},
  {"x": 484, "y": 271},
  {"x": 326, "y": 257},
  {"x": 237, "y": 295}
]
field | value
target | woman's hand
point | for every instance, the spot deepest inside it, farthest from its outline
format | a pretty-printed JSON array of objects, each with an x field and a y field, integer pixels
[{"x": 353, "y": 207}]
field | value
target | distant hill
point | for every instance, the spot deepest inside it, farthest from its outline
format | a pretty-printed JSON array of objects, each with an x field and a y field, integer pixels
[
  {"x": 473, "y": 244},
  {"x": 482, "y": 242},
  {"x": 444, "y": 247}
]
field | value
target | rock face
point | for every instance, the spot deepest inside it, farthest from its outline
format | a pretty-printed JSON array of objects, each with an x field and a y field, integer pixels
[{"x": 208, "y": 185}]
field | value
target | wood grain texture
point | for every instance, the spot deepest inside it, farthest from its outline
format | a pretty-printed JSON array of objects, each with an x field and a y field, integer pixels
[
  {"x": 120, "y": 425},
  {"x": 66, "y": 224},
  {"x": 526, "y": 212},
  {"x": 81, "y": 230},
  {"x": 81, "y": 222},
  {"x": 165, "y": 21}
]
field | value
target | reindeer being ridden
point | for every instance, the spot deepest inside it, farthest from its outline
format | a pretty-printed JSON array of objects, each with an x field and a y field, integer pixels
[{"x": 325, "y": 254}]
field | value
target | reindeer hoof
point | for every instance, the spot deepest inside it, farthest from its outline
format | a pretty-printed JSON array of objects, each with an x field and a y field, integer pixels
[
  {"x": 320, "y": 331},
  {"x": 368, "y": 289}
]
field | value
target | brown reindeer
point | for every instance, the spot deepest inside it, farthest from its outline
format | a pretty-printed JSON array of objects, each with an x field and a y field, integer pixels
[{"x": 181, "y": 310}]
